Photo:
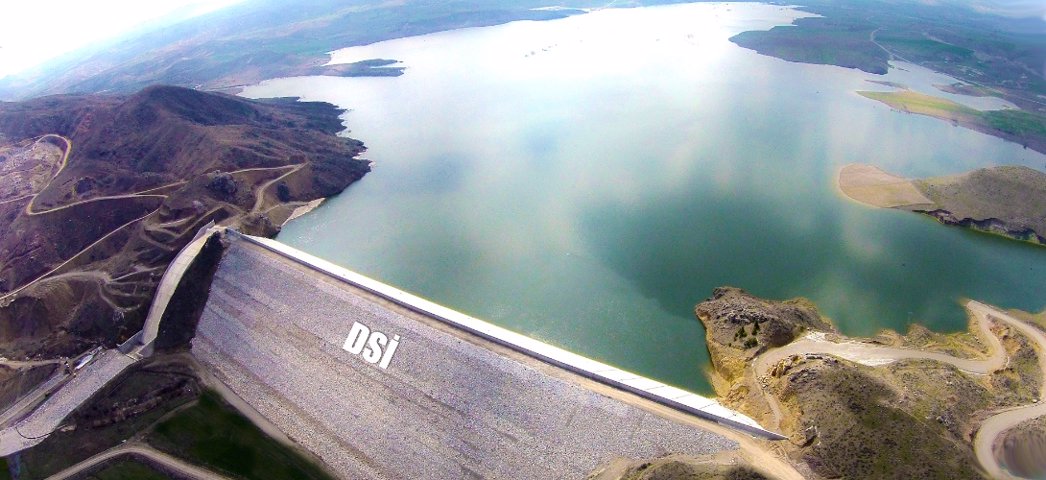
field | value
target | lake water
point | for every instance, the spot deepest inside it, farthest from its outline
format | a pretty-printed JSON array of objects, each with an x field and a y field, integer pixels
[{"x": 586, "y": 181}]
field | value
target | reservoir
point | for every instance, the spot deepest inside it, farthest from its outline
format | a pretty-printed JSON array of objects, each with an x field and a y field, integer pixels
[{"x": 586, "y": 181}]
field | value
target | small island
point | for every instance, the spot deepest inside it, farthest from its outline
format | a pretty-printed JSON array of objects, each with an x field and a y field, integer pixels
[{"x": 1004, "y": 200}]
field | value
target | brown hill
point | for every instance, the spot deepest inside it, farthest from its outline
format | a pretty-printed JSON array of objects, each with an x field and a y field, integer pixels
[
  {"x": 890, "y": 406},
  {"x": 91, "y": 224},
  {"x": 1008, "y": 200}
]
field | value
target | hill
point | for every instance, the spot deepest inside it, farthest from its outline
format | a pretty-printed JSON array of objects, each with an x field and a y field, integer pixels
[
  {"x": 1006, "y": 200},
  {"x": 891, "y": 406},
  {"x": 1010, "y": 200},
  {"x": 99, "y": 192},
  {"x": 991, "y": 54},
  {"x": 261, "y": 39}
]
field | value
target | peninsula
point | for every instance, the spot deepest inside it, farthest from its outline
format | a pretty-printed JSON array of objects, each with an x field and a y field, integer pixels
[
  {"x": 1018, "y": 126},
  {"x": 919, "y": 405},
  {"x": 1004, "y": 200}
]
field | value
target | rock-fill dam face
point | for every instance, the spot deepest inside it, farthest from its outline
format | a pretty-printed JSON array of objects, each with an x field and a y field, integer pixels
[{"x": 380, "y": 390}]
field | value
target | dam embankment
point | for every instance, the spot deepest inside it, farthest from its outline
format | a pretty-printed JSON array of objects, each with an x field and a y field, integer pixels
[{"x": 414, "y": 394}]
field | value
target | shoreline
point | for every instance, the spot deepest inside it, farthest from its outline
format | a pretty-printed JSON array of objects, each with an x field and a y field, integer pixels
[
  {"x": 303, "y": 209},
  {"x": 987, "y": 206},
  {"x": 787, "y": 385},
  {"x": 875, "y": 187}
]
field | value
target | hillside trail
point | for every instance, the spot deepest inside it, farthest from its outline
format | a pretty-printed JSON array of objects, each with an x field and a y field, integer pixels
[
  {"x": 31, "y": 211},
  {"x": 875, "y": 355}
]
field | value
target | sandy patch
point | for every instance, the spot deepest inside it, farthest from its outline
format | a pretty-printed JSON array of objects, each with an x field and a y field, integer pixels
[
  {"x": 302, "y": 210},
  {"x": 872, "y": 186}
]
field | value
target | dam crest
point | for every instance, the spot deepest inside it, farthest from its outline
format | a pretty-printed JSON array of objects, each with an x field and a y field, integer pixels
[{"x": 380, "y": 383}]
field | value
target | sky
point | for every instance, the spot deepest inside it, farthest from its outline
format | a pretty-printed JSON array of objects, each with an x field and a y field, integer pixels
[{"x": 32, "y": 32}]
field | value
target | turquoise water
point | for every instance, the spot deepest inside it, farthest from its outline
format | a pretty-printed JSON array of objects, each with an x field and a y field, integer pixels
[{"x": 586, "y": 181}]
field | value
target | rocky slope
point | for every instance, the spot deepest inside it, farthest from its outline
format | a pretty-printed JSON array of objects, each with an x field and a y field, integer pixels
[
  {"x": 1007, "y": 200},
  {"x": 87, "y": 236},
  {"x": 908, "y": 418},
  {"x": 723, "y": 466},
  {"x": 739, "y": 326}
]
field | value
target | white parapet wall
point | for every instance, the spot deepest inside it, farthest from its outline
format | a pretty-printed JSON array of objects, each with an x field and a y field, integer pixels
[{"x": 650, "y": 389}]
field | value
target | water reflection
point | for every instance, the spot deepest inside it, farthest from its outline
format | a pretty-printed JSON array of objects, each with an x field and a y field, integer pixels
[{"x": 591, "y": 192}]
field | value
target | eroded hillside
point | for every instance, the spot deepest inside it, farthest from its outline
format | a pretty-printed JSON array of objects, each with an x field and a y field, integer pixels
[
  {"x": 1008, "y": 200},
  {"x": 99, "y": 193},
  {"x": 920, "y": 405}
]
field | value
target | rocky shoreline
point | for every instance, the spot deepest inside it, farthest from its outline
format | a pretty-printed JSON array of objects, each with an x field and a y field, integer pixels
[
  {"x": 987, "y": 225},
  {"x": 1004, "y": 200},
  {"x": 891, "y": 406}
]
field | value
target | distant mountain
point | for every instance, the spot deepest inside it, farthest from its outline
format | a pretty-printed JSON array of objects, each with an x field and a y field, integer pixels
[
  {"x": 253, "y": 41},
  {"x": 97, "y": 194},
  {"x": 1001, "y": 55}
]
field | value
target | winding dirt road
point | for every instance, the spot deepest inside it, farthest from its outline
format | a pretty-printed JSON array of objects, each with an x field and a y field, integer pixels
[
  {"x": 30, "y": 209},
  {"x": 167, "y": 461},
  {"x": 1007, "y": 419},
  {"x": 259, "y": 199},
  {"x": 870, "y": 354},
  {"x": 65, "y": 161}
]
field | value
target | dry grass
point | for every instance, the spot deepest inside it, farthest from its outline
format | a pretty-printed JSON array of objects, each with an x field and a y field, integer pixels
[
  {"x": 872, "y": 186},
  {"x": 914, "y": 102}
]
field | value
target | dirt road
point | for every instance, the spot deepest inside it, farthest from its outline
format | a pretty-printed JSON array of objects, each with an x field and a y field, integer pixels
[
  {"x": 146, "y": 451},
  {"x": 1003, "y": 421},
  {"x": 870, "y": 354}
]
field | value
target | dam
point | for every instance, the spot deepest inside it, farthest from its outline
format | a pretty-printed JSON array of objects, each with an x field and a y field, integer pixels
[{"x": 307, "y": 344}]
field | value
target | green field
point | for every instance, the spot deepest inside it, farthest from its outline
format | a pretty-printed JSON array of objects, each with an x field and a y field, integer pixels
[
  {"x": 1016, "y": 122},
  {"x": 1026, "y": 128},
  {"x": 915, "y": 102},
  {"x": 127, "y": 469},
  {"x": 993, "y": 55},
  {"x": 93, "y": 434},
  {"x": 212, "y": 434}
]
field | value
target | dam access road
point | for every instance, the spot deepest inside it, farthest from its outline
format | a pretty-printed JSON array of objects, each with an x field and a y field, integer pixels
[{"x": 447, "y": 404}]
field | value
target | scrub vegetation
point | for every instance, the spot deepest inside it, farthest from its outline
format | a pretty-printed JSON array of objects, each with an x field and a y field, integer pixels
[
  {"x": 907, "y": 417},
  {"x": 126, "y": 406},
  {"x": 1010, "y": 200},
  {"x": 991, "y": 53},
  {"x": 1006, "y": 200},
  {"x": 161, "y": 401},
  {"x": 824, "y": 41},
  {"x": 721, "y": 466}
]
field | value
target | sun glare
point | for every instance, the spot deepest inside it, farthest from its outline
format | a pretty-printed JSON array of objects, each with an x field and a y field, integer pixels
[{"x": 34, "y": 32}]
